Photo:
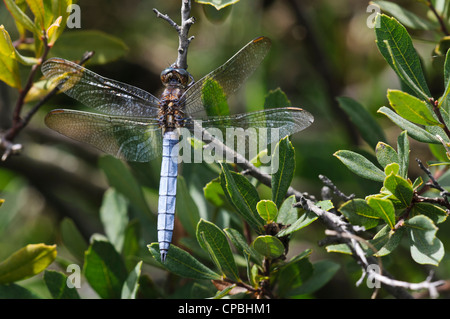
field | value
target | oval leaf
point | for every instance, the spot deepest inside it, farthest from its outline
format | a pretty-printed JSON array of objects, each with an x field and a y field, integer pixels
[
  {"x": 360, "y": 165},
  {"x": 267, "y": 210},
  {"x": 243, "y": 195},
  {"x": 411, "y": 108},
  {"x": 414, "y": 131},
  {"x": 384, "y": 209},
  {"x": 183, "y": 264},
  {"x": 212, "y": 239},
  {"x": 358, "y": 212},
  {"x": 288, "y": 214},
  {"x": 26, "y": 262},
  {"x": 425, "y": 247},
  {"x": 400, "y": 188},
  {"x": 9, "y": 69},
  {"x": 268, "y": 246},
  {"x": 397, "y": 48}
]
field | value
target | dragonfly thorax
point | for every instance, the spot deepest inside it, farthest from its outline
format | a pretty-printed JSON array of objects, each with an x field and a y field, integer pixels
[{"x": 175, "y": 77}]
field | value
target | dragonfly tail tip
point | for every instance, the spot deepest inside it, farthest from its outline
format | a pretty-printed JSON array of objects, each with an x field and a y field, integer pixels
[{"x": 163, "y": 256}]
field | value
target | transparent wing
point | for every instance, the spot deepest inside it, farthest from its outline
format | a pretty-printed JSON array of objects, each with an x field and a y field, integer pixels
[
  {"x": 129, "y": 138},
  {"x": 102, "y": 94},
  {"x": 247, "y": 131},
  {"x": 229, "y": 76}
]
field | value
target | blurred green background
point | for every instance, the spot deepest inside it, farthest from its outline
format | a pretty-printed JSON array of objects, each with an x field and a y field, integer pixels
[{"x": 321, "y": 49}]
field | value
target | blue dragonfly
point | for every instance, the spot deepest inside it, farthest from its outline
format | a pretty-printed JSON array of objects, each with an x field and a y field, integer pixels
[{"x": 136, "y": 126}]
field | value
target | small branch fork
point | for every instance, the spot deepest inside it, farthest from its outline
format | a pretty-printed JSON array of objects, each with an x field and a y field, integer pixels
[
  {"x": 183, "y": 32},
  {"x": 18, "y": 123}
]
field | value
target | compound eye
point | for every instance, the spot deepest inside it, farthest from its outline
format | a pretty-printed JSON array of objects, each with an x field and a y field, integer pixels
[
  {"x": 183, "y": 76},
  {"x": 166, "y": 75}
]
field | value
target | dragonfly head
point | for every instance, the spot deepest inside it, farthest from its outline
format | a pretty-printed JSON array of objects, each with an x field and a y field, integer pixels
[{"x": 175, "y": 77}]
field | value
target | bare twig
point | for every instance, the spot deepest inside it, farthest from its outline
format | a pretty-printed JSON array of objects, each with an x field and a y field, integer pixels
[
  {"x": 183, "y": 32},
  {"x": 439, "y": 18},
  {"x": 434, "y": 183},
  {"x": 338, "y": 192}
]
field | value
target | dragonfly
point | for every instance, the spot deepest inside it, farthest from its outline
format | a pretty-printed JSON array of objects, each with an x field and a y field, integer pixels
[{"x": 134, "y": 125}]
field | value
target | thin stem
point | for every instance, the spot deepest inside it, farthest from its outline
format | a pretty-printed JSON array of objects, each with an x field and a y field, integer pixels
[
  {"x": 439, "y": 18},
  {"x": 183, "y": 32},
  {"x": 438, "y": 113},
  {"x": 18, "y": 122}
]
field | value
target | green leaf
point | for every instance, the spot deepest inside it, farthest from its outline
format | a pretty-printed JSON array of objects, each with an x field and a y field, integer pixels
[
  {"x": 218, "y": 4},
  {"x": 243, "y": 195},
  {"x": 406, "y": 17},
  {"x": 13, "y": 291},
  {"x": 276, "y": 98},
  {"x": 72, "y": 45},
  {"x": 37, "y": 8},
  {"x": 287, "y": 213},
  {"x": 131, "y": 285},
  {"x": 21, "y": 18},
  {"x": 385, "y": 154},
  {"x": 56, "y": 283},
  {"x": 396, "y": 46},
  {"x": 435, "y": 213},
  {"x": 183, "y": 264},
  {"x": 370, "y": 130},
  {"x": 212, "y": 239},
  {"x": 392, "y": 168},
  {"x": 400, "y": 188},
  {"x": 304, "y": 220},
  {"x": 26, "y": 262},
  {"x": 411, "y": 108},
  {"x": 360, "y": 165},
  {"x": 214, "y": 193},
  {"x": 384, "y": 209},
  {"x": 414, "y": 131},
  {"x": 323, "y": 272},
  {"x": 186, "y": 208},
  {"x": 425, "y": 247},
  {"x": 120, "y": 178},
  {"x": 444, "y": 102},
  {"x": 240, "y": 243},
  {"x": 386, "y": 240},
  {"x": 293, "y": 275},
  {"x": 358, "y": 212},
  {"x": 72, "y": 239},
  {"x": 403, "y": 153},
  {"x": 9, "y": 69},
  {"x": 131, "y": 246},
  {"x": 283, "y": 167},
  {"x": 267, "y": 210},
  {"x": 214, "y": 98},
  {"x": 114, "y": 217},
  {"x": 59, "y": 9},
  {"x": 104, "y": 269},
  {"x": 268, "y": 246}
]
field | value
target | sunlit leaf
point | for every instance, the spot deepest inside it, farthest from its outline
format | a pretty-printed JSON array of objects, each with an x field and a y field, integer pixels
[
  {"x": 26, "y": 262},
  {"x": 9, "y": 70},
  {"x": 360, "y": 165}
]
